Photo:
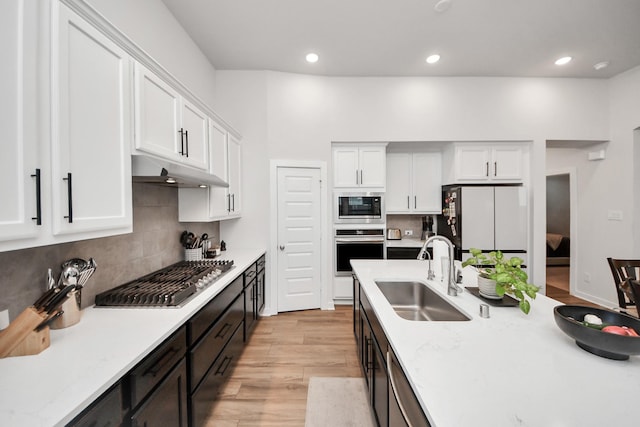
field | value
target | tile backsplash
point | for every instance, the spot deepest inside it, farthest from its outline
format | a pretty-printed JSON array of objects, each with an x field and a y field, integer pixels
[
  {"x": 408, "y": 222},
  {"x": 153, "y": 244}
]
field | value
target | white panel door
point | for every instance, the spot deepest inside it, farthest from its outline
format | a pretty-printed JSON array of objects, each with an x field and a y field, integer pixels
[
  {"x": 157, "y": 115},
  {"x": 195, "y": 139},
  {"x": 372, "y": 166},
  {"x": 477, "y": 217},
  {"x": 219, "y": 166},
  {"x": 345, "y": 167},
  {"x": 18, "y": 161},
  {"x": 398, "y": 183},
  {"x": 511, "y": 218},
  {"x": 427, "y": 183},
  {"x": 299, "y": 233},
  {"x": 472, "y": 163},
  {"x": 91, "y": 161}
]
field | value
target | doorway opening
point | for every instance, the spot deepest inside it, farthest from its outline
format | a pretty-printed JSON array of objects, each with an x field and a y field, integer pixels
[{"x": 558, "y": 238}]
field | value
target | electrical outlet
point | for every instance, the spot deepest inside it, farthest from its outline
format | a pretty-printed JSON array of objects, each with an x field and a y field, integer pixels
[
  {"x": 408, "y": 232},
  {"x": 587, "y": 277}
]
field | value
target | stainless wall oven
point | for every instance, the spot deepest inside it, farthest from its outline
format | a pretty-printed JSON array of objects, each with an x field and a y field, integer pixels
[
  {"x": 359, "y": 208},
  {"x": 357, "y": 244}
]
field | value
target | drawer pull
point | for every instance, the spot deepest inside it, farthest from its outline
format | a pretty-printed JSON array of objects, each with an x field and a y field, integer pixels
[
  {"x": 38, "y": 217},
  {"x": 224, "y": 365},
  {"x": 161, "y": 363},
  {"x": 223, "y": 331}
]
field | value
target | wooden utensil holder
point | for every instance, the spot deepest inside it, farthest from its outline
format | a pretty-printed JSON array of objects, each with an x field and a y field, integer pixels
[{"x": 20, "y": 337}]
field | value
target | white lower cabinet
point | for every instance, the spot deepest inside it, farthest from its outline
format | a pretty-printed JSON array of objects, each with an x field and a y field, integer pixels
[
  {"x": 216, "y": 203},
  {"x": 414, "y": 183}
]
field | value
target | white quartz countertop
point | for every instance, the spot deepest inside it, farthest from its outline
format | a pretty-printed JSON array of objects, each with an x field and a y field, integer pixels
[
  {"x": 511, "y": 369},
  {"x": 84, "y": 360}
]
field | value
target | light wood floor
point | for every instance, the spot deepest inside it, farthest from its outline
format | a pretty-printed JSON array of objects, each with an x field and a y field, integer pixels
[{"x": 269, "y": 385}]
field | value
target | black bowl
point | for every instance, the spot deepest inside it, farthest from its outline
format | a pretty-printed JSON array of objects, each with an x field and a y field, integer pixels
[{"x": 618, "y": 347}]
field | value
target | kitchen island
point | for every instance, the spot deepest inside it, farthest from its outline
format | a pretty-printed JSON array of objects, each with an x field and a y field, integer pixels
[
  {"x": 510, "y": 369},
  {"x": 86, "y": 359}
]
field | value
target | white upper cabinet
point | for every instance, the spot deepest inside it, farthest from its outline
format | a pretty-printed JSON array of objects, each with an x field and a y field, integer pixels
[
  {"x": 195, "y": 136},
  {"x": 234, "y": 203},
  {"x": 19, "y": 162},
  {"x": 166, "y": 124},
  {"x": 216, "y": 203},
  {"x": 91, "y": 166},
  {"x": 361, "y": 165},
  {"x": 414, "y": 182},
  {"x": 488, "y": 163}
]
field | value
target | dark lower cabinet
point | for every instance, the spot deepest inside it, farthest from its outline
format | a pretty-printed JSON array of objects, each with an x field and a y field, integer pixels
[
  {"x": 386, "y": 397},
  {"x": 205, "y": 394},
  {"x": 167, "y": 405},
  {"x": 106, "y": 411},
  {"x": 177, "y": 383}
]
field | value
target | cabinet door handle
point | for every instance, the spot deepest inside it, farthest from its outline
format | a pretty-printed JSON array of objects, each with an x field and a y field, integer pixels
[
  {"x": 357, "y": 177},
  {"x": 38, "y": 217},
  {"x": 415, "y": 202},
  {"x": 162, "y": 361},
  {"x": 495, "y": 168},
  {"x": 487, "y": 172},
  {"x": 181, "y": 132},
  {"x": 69, "y": 198},
  {"x": 361, "y": 181},
  {"x": 228, "y": 202},
  {"x": 233, "y": 200},
  {"x": 408, "y": 202},
  {"x": 186, "y": 137}
]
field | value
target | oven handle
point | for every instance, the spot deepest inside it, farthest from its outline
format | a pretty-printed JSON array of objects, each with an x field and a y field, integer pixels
[{"x": 360, "y": 240}]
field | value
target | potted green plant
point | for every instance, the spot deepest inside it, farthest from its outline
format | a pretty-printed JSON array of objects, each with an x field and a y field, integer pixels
[{"x": 507, "y": 274}]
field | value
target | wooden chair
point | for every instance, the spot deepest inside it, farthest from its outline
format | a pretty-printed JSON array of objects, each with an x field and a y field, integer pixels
[
  {"x": 622, "y": 270},
  {"x": 634, "y": 285}
]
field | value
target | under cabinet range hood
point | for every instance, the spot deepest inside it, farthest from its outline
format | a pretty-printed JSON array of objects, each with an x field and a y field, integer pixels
[{"x": 162, "y": 172}]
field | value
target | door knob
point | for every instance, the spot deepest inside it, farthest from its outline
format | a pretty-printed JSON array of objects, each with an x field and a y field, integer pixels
[{"x": 282, "y": 247}]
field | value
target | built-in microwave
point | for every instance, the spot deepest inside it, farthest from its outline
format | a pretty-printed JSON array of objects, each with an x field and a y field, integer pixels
[{"x": 359, "y": 208}]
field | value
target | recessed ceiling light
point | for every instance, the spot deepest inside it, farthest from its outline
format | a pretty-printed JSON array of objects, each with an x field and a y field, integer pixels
[
  {"x": 432, "y": 59},
  {"x": 601, "y": 65},
  {"x": 442, "y": 6},
  {"x": 170, "y": 181},
  {"x": 564, "y": 60},
  {"x": 202, "y": 186},
  {"x": 312, "y": 58}
]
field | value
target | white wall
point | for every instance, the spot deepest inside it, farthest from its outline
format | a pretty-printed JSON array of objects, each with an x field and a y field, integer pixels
[
  {"x": 606, "y": 185},
  {"x": 152, "y": 27},
  {"x": 305, "y": 113}
]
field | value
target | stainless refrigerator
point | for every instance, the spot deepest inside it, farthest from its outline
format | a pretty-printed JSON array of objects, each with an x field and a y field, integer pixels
[{"x": 485, "y": 217}]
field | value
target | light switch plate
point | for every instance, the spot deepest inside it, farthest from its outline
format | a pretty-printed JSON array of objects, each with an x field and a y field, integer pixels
[{"x": 614, "y": 215}]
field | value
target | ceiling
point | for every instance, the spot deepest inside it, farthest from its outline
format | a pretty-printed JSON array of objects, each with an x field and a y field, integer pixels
[{"x": 519, "y": 38}]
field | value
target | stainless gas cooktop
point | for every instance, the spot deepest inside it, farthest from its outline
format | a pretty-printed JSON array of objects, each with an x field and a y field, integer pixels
[{"x": 170, "y": 287}]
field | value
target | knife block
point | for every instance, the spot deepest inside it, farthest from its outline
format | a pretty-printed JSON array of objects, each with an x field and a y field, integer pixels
[{"x": 20, "y": 337}]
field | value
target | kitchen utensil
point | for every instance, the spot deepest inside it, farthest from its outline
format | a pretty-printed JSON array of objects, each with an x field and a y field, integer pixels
[
  {"x": 86, "y": 273},
  {"x": 394, "y": 234},
  {"x": 58, "y": 299},
  {"x": 569, "y": 319},
  {"x": 48, "y": 321}
]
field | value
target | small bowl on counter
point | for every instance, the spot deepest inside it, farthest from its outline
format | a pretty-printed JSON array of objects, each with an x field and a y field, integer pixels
[{"x": 570, "y": 319}]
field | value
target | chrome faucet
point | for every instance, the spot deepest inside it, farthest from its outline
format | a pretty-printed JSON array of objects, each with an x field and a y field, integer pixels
[
  {"x": 452, "y": 287},
  {"x": 421, "y": 256}
]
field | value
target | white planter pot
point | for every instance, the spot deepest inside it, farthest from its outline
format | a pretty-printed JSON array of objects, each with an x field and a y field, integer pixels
[{"x": 487, "y": 288}]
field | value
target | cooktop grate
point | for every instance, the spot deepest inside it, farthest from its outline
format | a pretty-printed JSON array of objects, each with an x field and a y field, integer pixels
[{"x": 168, "y": 287}]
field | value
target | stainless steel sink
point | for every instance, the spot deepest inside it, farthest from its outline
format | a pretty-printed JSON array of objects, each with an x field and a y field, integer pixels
[{"x": 413, "y": 300}]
